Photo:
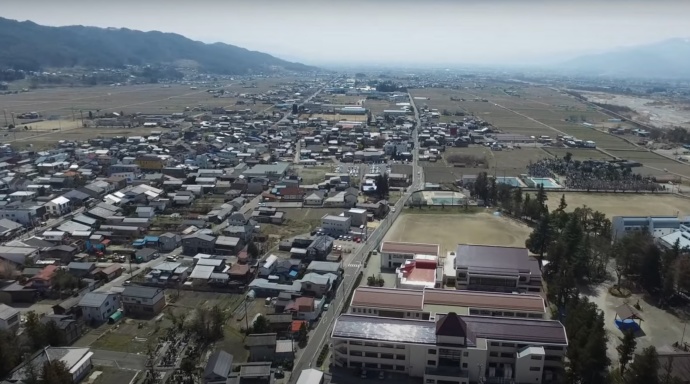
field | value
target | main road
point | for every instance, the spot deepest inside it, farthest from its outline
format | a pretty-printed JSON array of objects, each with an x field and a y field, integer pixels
[{"x": 355, "y": 264}]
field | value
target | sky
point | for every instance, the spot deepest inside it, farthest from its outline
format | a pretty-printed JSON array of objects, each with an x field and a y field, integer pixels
[{"x": 388, "y": 32}]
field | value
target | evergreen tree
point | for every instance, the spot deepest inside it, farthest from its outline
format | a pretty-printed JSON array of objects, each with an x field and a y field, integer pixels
[
  {"x": 541, "y": 199},
  {"x": 56, "y": 372},
  {"x": 517, "y": 201},
  {"x": 562, "y": 205},
  {"x": 626, "y": 349},
  {"x": 587, "y": 361},
  {"x": 252, "y": 249},
  {"x": 644, "y": 369},
  {"x": 540, "y": 239},
  {"x": 303, "y": 335}
]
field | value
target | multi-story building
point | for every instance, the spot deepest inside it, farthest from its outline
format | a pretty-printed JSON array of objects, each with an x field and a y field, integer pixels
[
  {"x": 27, "y": 214},
  {"x": 394, "y": 254},
  {"x": 336, "y": 225},
  {"x": 496, "y": 269},
  {"x": 453, "y": 348},
  {"x": 425, "y": 304},
  {"x": 656, "y": 226}
]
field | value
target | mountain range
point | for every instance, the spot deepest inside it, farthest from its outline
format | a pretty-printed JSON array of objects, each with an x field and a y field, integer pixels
[
  {"x": 30, "y": 46},
  {"x": 667, "y": 59}
]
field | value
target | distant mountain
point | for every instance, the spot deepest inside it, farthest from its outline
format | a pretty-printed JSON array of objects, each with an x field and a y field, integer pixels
[
  {"x": 666, "y": 59},
  {"x": 29, "y": 46}
]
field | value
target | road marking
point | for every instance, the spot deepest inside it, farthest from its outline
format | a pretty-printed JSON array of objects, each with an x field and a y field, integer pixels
[{"x": 353, "y": 265}]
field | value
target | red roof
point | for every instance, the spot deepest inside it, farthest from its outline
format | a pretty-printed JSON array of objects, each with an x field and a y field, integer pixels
[
  {"x": 296, "y": 325},
  {"x": 46, "y": 273}
]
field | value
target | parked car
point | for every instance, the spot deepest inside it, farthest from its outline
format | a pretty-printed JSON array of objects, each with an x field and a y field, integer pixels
[
  {"x": 382, "y": 375},
  {"x": 363, "y": 375}
]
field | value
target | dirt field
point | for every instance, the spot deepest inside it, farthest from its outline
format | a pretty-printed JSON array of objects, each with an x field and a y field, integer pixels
[
  {"x": 449, "y": 230},
  {"x": 624, "y": 204}
]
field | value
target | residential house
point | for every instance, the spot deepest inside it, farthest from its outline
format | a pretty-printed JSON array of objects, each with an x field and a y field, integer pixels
[
  {"x": 69, "y": 307},
  {"x": 108, "y": 273},
  {"x": 58, "y": 206},
  {"x": 9, "y": 318},
  {"x": 323, "y": 267},
  {"x": 81, "y": 270},
  {"x": 238, "y": 218},
  {"x": 76, "y": 360},
  {"x": 314, "y": 198},
  {"x": 69, "y": 328},
  {"x": 317, "y": 285},
  {"x": 244, "y": 232},
  {"x": 279, "y": 322},
  {"x": 320, "y": 248},
  {"x": 169, "y": 241},
  {"x": 261, "y": 346},
  {"x": 44, "y": 279},
  {"x": 304, "y": 308},
  {"x": 143, "y": 301},
  {"x": 218, "y": 368},
  {"x": 146, "y": 254},
  {"x": 198, "y": 243},
  {"x": 226, "y": 245},
  {"x": 291, "y": 193},
  {"x": 268, "y": 266},
  {"x": 146, "y": 212},
  {"x": 97, "y": 307}
]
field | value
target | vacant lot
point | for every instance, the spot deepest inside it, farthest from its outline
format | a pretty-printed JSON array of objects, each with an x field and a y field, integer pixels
[
  {"x": 313, "y": 175},
  {"x": 624, "y": 204},
  {"x": 578, "y": 153},
  {"x": 449, "y": 230}
]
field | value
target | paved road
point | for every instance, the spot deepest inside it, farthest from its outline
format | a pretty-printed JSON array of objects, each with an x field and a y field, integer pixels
[
  {"x": 353, "y": 266},
  {"x": 119, "y": 360}
]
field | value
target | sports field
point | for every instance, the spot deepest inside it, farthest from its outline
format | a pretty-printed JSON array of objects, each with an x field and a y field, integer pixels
[
  {"x": 449, "y": 230},
  {"x": 624, "y": 204}
]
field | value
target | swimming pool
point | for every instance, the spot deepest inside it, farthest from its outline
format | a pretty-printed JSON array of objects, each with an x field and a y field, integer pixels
[
  {"x": 512, "y": 181},
  {"x": 546, "y": 182}
]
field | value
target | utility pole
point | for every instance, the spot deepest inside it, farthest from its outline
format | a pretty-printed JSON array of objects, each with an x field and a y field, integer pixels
[
  {"x": 81, "y": 112},
  {"x": 13, "y": 122},
  {"x": 246, "y": 316},
  {"x": 4, "y": 112}
]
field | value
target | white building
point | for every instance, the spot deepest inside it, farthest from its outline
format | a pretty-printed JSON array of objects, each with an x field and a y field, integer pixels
[
  {"x": 358, "y": 216},
  {"x": 453, "y": 348},
  {"x": 9, "y": 318},
  {"x": 394, "y": 254},
  {"x": 336, "y": 225},
  {"x": 657, "y": 226},
  {"x": 58, "y": 206},
  {"x": 97, "y": 307}
]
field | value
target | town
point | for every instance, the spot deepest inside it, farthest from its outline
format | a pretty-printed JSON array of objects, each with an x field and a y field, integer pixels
[{"x": 276, "y": 223}]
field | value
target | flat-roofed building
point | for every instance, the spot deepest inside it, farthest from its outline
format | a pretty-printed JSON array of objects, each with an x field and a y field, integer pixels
[
  {"x": 496, "y": 269},
  {"x": 453, "y": 348},
  {"x": 426, "y": 304},
  {"x": 394, "y": 254}
]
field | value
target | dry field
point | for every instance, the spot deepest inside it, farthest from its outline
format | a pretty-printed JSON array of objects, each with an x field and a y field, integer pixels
[
  {"x": 578, "y": 153},
  {"x": 68, "y": 102},
  {"x": 627, "y": 204},
  {"x": 337, "y": 117},
  {"x": 449, "y": 230}
]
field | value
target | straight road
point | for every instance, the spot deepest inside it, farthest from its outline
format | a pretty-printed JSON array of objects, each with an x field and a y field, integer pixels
[{"x": 354, "y": 267}]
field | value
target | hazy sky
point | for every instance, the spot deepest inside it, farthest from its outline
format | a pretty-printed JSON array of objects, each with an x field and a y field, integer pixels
[{"x": 386, "y": 31}]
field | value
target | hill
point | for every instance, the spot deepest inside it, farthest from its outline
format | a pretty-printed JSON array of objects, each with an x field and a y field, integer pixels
[
  {"x": 29, "y": 46},
  {"x": 663, "y": 60}
]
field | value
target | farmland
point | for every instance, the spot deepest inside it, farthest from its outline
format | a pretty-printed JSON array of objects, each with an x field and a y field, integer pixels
[
  {"x": 536, "y": 111},
  {"x": 578, "y": 153}
]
